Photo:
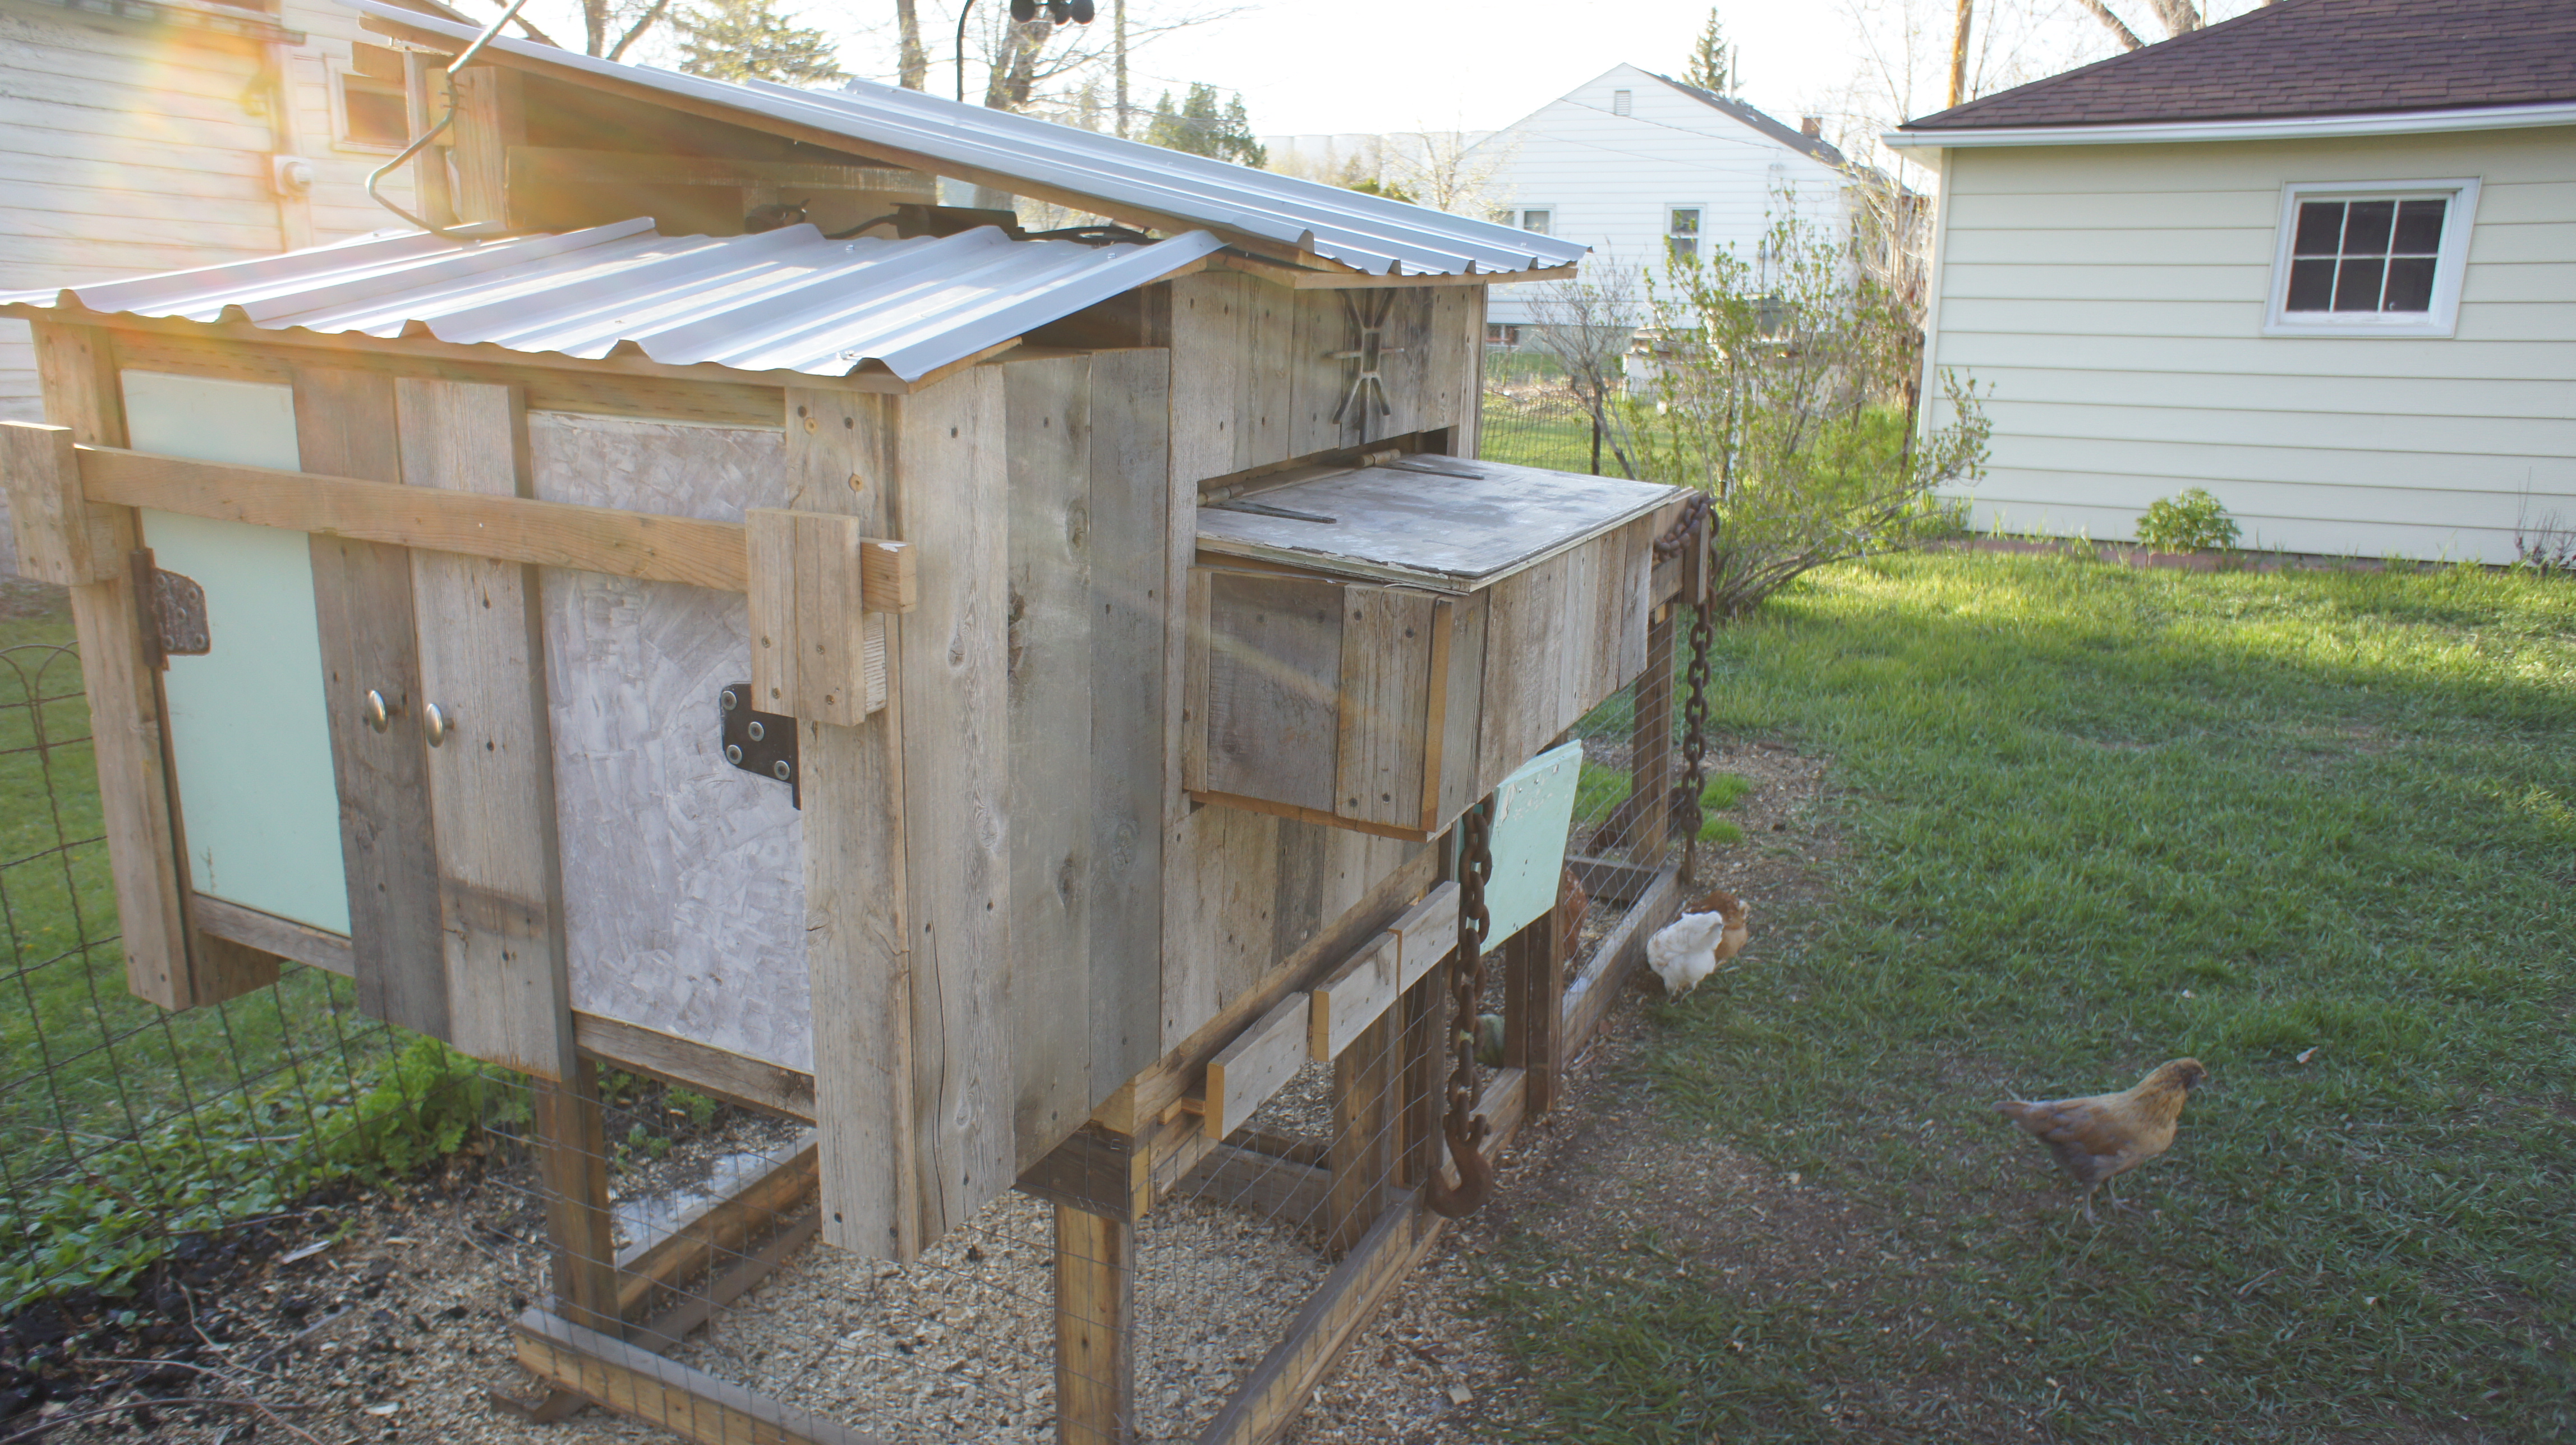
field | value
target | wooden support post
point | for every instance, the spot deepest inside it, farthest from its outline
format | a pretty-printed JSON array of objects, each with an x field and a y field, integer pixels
[
  {"x": 573, "y": 1164},
  {"x": 1360, "y": 1157},
  {"x": 433, "y": 194},
  {"x": 1534, "y": 1008},
  {"x": 1650, "y": 771},
  {"x": 139, "y": 812},
  {"x": 1095, "y": 1328},
  {"x": 489, "y": 120}
]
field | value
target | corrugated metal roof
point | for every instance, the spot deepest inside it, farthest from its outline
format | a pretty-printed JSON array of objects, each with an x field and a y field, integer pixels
[
  {"x": 1370, "y": 233},
  {"x": 785, "y": 300}
]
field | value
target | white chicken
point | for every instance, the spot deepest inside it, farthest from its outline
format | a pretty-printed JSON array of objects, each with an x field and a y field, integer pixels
[{"x": 1712, "y": 928}]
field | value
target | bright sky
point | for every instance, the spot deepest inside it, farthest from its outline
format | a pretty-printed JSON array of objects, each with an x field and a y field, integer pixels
[{"x": 1401, "y": 65}]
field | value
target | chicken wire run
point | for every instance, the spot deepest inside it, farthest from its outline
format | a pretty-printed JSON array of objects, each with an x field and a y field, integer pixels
[{"x": 712, "y": 1201}]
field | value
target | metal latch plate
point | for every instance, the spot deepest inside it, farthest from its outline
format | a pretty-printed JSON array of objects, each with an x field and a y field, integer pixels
[{"x": 759, "y": 742}]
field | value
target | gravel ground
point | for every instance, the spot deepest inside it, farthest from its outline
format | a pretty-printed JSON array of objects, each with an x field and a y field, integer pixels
[{"x": 397, "y": 1329}]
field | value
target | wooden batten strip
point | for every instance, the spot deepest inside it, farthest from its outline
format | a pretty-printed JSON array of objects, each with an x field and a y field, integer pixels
[
  {"x": 1353, "y": 998},
  {"x": 503, "y": 528},
  {"x": 1588, "y": 998},
  {"x": 751, "y": 1083},
  {"x": 268, "y": 933},
  {"x": 1248, "y": 1071},
  {"x": 62, "y": 538},
  {"x": 632, "y": 1381}
]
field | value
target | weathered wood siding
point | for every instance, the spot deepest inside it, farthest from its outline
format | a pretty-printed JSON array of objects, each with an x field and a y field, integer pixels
[
  {"x": 2114, "y": 298},
  {"x": 1242, "y": 891}
]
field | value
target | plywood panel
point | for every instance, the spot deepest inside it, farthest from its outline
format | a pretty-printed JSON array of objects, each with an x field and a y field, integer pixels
[
  {"x": 684, "y": 886},
  {"x": 249, "y": 740},
  {"x": 491, "y": 781}
]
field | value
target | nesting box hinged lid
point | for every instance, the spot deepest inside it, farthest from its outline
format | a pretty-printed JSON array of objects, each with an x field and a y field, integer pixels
[
  {"x": 1449, "y": 524},
  {"x": 1377, "y": 647}
]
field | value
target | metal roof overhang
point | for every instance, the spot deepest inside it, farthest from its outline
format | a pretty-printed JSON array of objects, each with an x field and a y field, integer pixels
[
  {"x": 1276, "y": 216},
  {"x": 785, "y": 301}
]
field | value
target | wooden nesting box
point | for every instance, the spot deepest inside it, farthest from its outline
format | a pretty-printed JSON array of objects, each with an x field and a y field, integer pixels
[
  {"x": 1375, "y": 647},
  {"x": 793, "y": 664}
]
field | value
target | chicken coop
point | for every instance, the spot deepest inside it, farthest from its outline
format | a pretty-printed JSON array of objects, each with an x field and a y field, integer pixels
[{"x": 1011, "y": 700}]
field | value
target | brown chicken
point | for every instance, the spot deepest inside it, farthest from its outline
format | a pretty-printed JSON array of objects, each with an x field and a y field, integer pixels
[{"x": 2099, "y": 1138}]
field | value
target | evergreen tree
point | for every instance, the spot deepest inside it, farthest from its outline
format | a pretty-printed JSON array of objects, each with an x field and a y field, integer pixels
[
  {"x": 751, "y": 40},
  {"x": 1203, "y": 128},
  {"x": 1712, "y": 61}
]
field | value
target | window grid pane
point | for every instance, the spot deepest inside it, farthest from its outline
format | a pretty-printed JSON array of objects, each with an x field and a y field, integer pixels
[{"x": 2365, "y": 256}]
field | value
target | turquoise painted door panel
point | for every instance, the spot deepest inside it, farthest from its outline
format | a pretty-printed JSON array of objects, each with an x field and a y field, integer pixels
[
  {"x": 248, "y": 738},
  {"x": 1533, "y": 813}
]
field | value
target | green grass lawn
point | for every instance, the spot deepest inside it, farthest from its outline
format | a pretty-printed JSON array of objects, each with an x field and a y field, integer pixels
[
  {"x": 2091, "y": 818},
  {"x": 82, "y": 1062}
]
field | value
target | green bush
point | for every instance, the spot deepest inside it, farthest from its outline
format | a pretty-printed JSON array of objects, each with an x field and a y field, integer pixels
[
  {"x": 2186, "y": 523},
  {"x": 240, "y": 1157}
]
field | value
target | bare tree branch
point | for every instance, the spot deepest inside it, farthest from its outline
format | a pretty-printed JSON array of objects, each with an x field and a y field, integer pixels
[
  {"x": 2128, "y": 38},
  {"x": 636, "y": 31}
]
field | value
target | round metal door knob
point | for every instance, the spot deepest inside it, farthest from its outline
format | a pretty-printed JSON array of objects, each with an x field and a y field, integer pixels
[
  {"x": 374, "y": 711},
  {"x": 436, "y": 724}
]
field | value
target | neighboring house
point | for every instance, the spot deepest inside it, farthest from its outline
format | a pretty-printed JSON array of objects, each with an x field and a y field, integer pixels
[
  {"x": 2319, "y": 260},
  {"x": 147, "y": 135},
  {"x": 1637, "y": 166}
]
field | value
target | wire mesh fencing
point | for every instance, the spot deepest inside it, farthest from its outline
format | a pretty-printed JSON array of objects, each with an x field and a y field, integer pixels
[{"x": 1534, "y": 416}]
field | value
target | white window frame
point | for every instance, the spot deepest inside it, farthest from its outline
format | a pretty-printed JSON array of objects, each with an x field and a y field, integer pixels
[
  {"x": 342, "y": 72},
  {"x": 1520, "y": 219},
  {"x": 1699, "y": 238},
  {"x": 2450, "y": 266}
]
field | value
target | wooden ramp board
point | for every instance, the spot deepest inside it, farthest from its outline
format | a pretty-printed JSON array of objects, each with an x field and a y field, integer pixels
[{"x": 1446, "y": 523}]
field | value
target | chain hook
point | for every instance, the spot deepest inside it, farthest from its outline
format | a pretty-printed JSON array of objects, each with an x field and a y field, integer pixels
[{"x": 1466, "y": 1130}]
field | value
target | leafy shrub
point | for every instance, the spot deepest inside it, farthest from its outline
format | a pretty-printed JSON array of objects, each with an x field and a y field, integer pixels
[
  {"x": 240, "y": 1157},
  {"x": 2186, "y": 523},
  {"x": 1788, "y": 390}
]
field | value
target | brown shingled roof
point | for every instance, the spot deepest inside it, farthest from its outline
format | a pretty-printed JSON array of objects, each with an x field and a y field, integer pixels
[{"x": 2309, "y": 58}]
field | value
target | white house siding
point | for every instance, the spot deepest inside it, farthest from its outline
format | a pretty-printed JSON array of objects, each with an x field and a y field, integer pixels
[
  {"x": 1610, "y": 178},
  {"x": 130, "y": 147},
  {"x": 2114, "y": 297}
]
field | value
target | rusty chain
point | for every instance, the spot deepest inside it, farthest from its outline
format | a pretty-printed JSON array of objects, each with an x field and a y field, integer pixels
[
  {"x": 1669, "y": 545},
  {"x": 1695, "y": 730},
  {"x": 1465, "y": 1129}
]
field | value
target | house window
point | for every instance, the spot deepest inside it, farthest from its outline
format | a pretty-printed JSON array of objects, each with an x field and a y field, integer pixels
[
  {"x": 1621, "y": 101},
  {"x": 2373, "y": 260},
  {"x": 370, "y": 110},
  {"x": 1681, "y": 232},
  {"x": 1538, "y": 220}
]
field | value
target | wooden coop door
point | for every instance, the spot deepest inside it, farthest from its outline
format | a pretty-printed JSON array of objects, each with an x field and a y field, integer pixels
[{"x": 248, "y": 740}]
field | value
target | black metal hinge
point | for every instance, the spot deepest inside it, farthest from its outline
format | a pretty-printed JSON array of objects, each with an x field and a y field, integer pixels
[{"x": 760, "y": 742}]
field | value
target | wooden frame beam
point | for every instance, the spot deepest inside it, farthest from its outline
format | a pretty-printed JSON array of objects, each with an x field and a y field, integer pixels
[
  {"x": 721, "y": 1229},
  {"x": 630, "y": 1380}
]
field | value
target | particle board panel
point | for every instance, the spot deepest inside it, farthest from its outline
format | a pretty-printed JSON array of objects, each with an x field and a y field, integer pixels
[
  {"x": 952, "y": 506},
  {"x": 685, "y": 892},
  {"x": 1048, "y": 411},
  {"x": 1129, "y": 520},
  {"x": 345, "y": 426},
  {"x": 491, "y": 782}
]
